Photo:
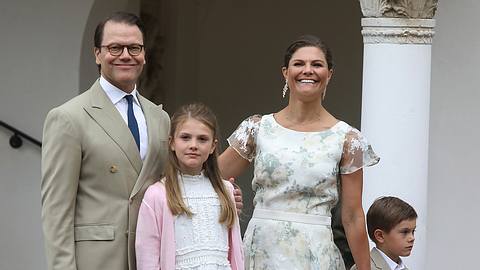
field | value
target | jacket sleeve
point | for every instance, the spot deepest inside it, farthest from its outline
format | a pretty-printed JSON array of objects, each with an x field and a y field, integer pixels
[
  {"x": 61, "y": 163},
  {"x": 149, "y": 232},
  {"x": 235, "y": 251}
]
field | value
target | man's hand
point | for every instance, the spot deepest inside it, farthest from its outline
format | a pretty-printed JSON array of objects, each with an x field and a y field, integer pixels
[{"x": 237, "y": 194}]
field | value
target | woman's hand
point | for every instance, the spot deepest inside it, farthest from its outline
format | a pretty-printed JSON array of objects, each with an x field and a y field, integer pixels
[{"x": 237, "y": 194}]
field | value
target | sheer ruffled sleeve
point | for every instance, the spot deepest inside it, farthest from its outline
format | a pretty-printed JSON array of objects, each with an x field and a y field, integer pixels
[
  {"x": 243, "y": 139},
  {"x": 357, "y": 153}
]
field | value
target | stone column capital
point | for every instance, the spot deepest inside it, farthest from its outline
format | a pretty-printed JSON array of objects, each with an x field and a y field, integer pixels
[
  {"x": 398, "y": 30},
  {"x": 414, "y": 9}
]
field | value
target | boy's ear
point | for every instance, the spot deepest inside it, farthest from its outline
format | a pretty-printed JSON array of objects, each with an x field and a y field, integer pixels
[{"x": 379, "y": 236}]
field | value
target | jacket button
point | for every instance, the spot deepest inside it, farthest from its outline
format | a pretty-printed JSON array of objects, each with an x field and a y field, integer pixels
[{"x": 113, "y": 169}]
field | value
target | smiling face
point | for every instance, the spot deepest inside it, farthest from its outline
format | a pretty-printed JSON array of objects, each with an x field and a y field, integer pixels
[
  {"x": 123, "y": 70},
  {"x": 307, "y": 73},
  {"x": 192, "y": 143},
  {"x": 399, "y": 241}
]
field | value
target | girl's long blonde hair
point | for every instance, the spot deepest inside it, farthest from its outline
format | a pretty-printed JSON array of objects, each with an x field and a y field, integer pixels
[{"x": 202, "y": 113}]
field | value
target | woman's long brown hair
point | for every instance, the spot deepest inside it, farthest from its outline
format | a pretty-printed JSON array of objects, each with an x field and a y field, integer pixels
[{"x": 201, "y": 113}]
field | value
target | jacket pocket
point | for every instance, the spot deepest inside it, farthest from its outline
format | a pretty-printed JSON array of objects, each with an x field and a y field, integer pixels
[{"x": 94, "y": 233}]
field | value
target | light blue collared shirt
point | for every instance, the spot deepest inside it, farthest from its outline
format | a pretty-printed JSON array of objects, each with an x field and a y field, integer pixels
[{"x": 116, "y": 95}]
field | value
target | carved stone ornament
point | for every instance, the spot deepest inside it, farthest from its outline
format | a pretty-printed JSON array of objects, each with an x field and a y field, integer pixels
[
  {"x": 398, "y": 30},
  {"x": 414, "y": 9},
  {"x": 151, "y": 82}
]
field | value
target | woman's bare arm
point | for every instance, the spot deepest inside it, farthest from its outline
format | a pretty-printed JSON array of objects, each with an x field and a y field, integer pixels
[
  {"x": 231, "y": 163},
  {"x": 353, "y": 218}
]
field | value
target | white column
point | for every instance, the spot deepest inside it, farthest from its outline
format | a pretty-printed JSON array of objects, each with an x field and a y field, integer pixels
[{"x": 395, "y": 115}]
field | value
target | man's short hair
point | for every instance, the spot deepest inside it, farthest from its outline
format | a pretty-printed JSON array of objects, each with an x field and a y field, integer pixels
[
  {"x": 386, "y": 213},
  {"x": 118, "y": 17}
]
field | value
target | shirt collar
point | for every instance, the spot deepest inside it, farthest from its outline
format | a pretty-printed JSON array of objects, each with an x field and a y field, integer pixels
[
  {"x": 393, "y": 265},
  {"x": 114, "y": 93},
  {"x": 192, "y": 177}
]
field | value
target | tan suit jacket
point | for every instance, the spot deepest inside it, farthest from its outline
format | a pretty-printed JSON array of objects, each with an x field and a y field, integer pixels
[
  {"x": 93, "y": 181},
  {"x": 377, "y": 262}
]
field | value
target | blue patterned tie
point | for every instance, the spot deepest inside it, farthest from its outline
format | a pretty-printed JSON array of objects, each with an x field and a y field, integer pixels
[{"x": 132, "y": 122}]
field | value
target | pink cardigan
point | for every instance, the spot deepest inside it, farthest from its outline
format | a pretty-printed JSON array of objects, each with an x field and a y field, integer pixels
[{"x": 155, "y": 236}]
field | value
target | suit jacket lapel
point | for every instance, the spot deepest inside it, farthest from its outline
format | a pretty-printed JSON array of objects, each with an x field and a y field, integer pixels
[
  {"x": 107, "y": 116},
  {"x": 378, "y": 260},
  {"x": 152, "y": 153}
]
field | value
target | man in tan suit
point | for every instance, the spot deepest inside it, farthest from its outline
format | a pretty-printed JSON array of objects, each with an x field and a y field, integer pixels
[{"x": 101, "y": 150}]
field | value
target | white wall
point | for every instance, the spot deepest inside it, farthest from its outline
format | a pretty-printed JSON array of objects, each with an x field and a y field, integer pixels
[
  {"x": 453, "y": 199},
  {"x": 40, "y": 68}
]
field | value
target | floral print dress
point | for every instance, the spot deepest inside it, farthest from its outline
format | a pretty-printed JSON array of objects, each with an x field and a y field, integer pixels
[{"x": 296, "y": 172}]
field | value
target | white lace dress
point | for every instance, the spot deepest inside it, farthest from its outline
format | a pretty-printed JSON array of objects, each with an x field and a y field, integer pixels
[
  {"x": 296, "y": 172},
  {"x": 201, "y": 241}
]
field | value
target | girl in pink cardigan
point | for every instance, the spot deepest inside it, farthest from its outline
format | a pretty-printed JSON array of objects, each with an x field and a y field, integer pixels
[{"x": 188, "y": 219}]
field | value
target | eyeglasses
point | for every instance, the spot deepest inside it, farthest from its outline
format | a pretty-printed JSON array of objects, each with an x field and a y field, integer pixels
[{"x": 117, "y": 49}]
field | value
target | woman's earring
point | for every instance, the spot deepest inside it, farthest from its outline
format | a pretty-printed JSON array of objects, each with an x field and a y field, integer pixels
[
  {"x": 324, "y": 93},
  {"x": 285, "y": 88}
]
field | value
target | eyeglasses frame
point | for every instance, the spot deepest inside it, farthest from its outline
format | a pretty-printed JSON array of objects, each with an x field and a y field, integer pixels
[{"x": 108, "y": 47}]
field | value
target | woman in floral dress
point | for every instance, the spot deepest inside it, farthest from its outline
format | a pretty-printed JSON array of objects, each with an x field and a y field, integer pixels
[{"x": 304, "y": 160}]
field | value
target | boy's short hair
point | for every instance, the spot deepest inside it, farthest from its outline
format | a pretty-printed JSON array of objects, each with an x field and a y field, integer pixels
[{"x": 386, "y": 213}]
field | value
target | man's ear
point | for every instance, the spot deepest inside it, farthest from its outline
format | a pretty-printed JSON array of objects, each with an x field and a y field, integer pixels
[
  {"x": 379, "y": 236},
  {"x": 96, "y": 52}
]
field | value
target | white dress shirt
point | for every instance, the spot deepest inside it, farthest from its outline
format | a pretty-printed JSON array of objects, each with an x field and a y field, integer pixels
[
  {"x": 393, "y": 265},
  {"x": 116, "y": 95}
]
